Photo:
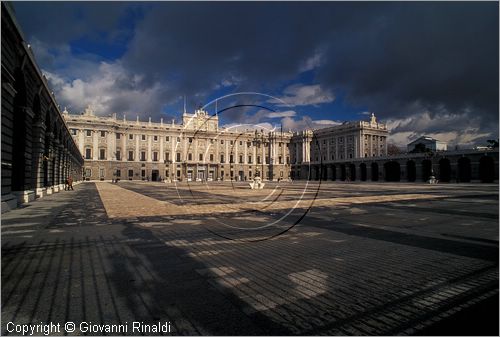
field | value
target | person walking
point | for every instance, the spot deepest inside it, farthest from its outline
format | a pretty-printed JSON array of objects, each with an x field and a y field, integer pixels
[{"x": 70, "y": 183}]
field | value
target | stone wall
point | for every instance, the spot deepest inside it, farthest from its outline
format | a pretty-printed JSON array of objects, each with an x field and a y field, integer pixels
[
  {"x": 447, "y": 166},
  {"x": 38, "y": 152}
]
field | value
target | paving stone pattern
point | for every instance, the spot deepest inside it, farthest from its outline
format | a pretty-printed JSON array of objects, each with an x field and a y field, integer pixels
[{"x": 321, "y": 259}]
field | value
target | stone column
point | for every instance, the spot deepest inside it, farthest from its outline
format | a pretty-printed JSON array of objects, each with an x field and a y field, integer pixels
[
  {"x": 48, "y": 154},
  {"x": 67, "y": 172},
  {"x": 149, "y": 153},
  {"x": 418, "y": 169},
  {"x": 111, "y": 146},
  {"x": 162, "y": 152},
  {"x": 336, "y": 148},
  {"x": 124, "y": 147},
  {"x": 345, "y": 148},
  {"x": 338, "y": 172},
  {"x": 454, "y": 169},
  {"x": 245, "y": 153},
  {"x": 263, "y": 162},
  {"x": 185, "y": 150},
  {"x": 356, "y": 152},
  {"x": 357, "y": 170},
  {"x": 60, "y": 167},
  {"x": 216, "y": 153},
  {"x": 194, "y": 148},
  {"x": 254, "y": 155},
  {"x": 235, "y": 150},
  {"x": 37, "y": 158},
  {"x": 173, "y": 148},
  {"x": 137, "y": 149},
  {"x": 57, "y": 165},
  {"x": 370, "y": 145},
  {"x": 95, "y": 145},
  {"x": 54, "y": 159},
  {"x": 403, "y": 175}
]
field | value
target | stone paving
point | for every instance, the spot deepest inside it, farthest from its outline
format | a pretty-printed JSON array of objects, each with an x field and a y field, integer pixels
[{"x": 309, "y": 259}]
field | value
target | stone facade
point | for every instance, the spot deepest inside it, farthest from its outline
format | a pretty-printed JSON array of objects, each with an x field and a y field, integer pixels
[
  {"x": 336, "y": 144},
  {"x": 460, "y": 166},
  {"x": 38, "y": 152},
  {"x": 199, "y": 150},
  {"x": 196, "y": 150}
]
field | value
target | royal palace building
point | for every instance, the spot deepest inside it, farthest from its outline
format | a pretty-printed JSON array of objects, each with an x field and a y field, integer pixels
[
  {"x": 196, "y": 150},
  {"x": 199, "y": 150}
]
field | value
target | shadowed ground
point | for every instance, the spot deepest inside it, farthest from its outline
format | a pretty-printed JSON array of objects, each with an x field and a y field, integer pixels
[{"x": 344, "y": 259}]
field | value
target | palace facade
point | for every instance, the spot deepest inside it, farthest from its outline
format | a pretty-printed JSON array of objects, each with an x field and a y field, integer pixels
[
  {"x": 336, "y": 144},
  {"x": 199, "y": 150}
]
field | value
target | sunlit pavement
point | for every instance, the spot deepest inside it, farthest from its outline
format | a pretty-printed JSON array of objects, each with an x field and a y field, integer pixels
[{"x": 294, "y": 258}]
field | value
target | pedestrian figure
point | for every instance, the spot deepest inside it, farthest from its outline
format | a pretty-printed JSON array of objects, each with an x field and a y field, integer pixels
[
  {"x": 69, "y": 181},
  {"x": 66, "y": 184}
]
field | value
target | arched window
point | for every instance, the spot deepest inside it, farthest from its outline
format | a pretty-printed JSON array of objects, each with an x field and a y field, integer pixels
[
  {"x": 374, "y": 172},
  {"x": 392, "y": 171},
  {"x": 464, "y": 170},
  {"x": 486, "y": 169},
  {"x": 362, "y": 168},
  {"x": 411, "y": 171},
  {"x": 444, "y": 170}
]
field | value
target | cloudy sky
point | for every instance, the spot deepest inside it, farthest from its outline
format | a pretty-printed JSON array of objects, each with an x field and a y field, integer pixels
[{"x": 421, "y": 67}]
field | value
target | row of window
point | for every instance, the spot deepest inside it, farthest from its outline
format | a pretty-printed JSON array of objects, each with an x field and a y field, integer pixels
[
  {"x": 131, "y": 157},
  {"x": 130, "y": 173},
  {"x": 167, "y": 138},
  {"x": 350, "y": 139},
  {"x": 340, "y": 156}
]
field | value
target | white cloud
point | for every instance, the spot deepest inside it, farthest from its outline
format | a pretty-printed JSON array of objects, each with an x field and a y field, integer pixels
[
  {"x": 299, "y": 95},
  {"x": 306, "y": 123},
  {"x": 280, "y": 114},
  {"x": 326, "y": 122},
  {"x": 401, "y": 138},
  {"x": 312, "y": 62},
  {"x": 110, "y": 88},
  {"x": 455, "y": 129},
  {"x": 467, "y": 137},
  {"x": 55, "y": 80},
  {"x": 239, "y": 127}
]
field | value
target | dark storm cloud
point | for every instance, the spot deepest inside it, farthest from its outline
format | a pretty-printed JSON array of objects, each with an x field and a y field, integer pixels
[
  {"x": 441, "y": 55},
  {"x": 57, "y": 22},
  {"x": 248, "y": 44},
  {"x": 397, "y": 59}
]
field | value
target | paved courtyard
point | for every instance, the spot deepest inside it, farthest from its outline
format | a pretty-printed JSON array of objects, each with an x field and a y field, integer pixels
[{"x": 294, "y": 258}]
